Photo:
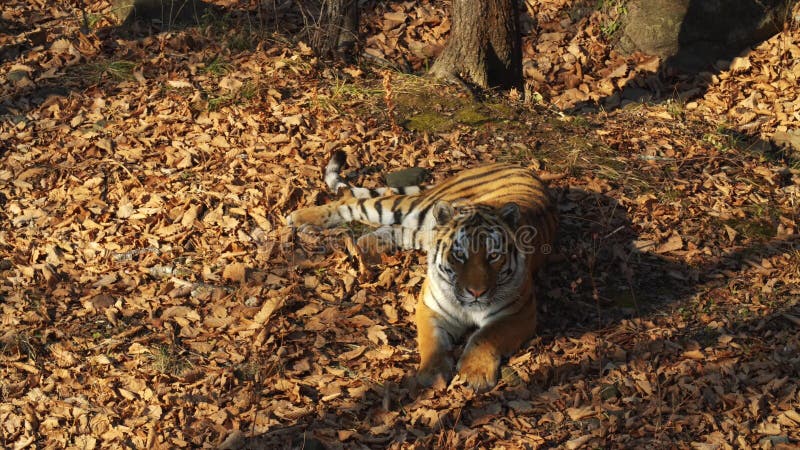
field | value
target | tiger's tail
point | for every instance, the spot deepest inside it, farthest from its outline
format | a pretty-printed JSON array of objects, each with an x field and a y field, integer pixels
[{"x": 336, "y": 183}]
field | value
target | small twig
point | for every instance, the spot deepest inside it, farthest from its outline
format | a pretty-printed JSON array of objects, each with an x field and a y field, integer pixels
[
  {"x": 364, "y": 273},
  {"x": 122, "y": 166},
  {"x": 552, "y": 176},
  {"x": 387, "y": 97}
]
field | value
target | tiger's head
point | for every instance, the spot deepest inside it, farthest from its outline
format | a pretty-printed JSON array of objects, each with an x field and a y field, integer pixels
[{"x": 476, "y": 252}]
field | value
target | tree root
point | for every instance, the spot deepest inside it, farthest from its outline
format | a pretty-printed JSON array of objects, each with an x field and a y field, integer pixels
[{"x": 450, "y": 76}]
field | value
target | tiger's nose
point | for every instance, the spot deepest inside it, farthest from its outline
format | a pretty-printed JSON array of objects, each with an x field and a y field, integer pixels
[{"x": 476, "y": 292}]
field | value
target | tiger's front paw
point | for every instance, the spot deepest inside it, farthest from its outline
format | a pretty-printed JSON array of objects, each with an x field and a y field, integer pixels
[
  {"x": 479, "y": 369},
  {"x": 432, "y": 372}
]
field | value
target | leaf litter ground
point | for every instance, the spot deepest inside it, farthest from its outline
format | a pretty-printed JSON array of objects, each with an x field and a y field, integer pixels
[{"x": 152, "y": 298}]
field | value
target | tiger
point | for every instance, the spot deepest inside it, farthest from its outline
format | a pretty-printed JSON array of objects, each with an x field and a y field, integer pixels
[{"x": 486, "y": 230}]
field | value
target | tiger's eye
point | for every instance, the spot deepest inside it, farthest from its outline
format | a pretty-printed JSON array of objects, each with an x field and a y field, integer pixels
[{"x": 494, "y": 257}]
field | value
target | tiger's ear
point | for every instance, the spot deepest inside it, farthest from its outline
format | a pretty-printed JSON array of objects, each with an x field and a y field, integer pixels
[
  {"x": 510, "y": 213},
  {"x": 443, "y": 212}
]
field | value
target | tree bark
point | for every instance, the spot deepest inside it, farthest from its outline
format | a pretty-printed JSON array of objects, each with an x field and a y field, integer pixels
[
  {"x": 338, "y": 30},
  {"x": 484, "y": 47}
]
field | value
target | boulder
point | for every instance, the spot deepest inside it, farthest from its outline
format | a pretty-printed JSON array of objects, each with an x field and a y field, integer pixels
[
  {"x": 411, "y": 176},
  {"x": 694, "y": 34}
]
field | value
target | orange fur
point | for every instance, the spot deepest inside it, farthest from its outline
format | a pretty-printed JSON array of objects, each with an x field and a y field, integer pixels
[{"x": 481, "y": 265}]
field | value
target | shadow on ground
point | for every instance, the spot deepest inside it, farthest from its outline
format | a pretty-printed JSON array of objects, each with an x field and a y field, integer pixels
[
  {"x": 120, "y": 48},
  {"x": 696, "y": 40},
  {"x": 604, "y": 286}
]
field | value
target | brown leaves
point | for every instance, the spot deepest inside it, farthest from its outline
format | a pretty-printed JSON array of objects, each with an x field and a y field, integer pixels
[
  {"x": 673, "y": 243},
  {"x": 412, "y": 31},
  {"x": 234, "y": 272},
  {"x": 762, "y": 86},
  {"x": 151, "y": 296}
]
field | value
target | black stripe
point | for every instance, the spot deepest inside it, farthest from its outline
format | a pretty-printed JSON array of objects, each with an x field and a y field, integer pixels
[
  {"x": 379, "y": 208},
  {"x": 515, "y": 189},
  {"x": 396, "y": 202},
  {"x": 401, "y": 190},
  {"x": 449, "y": 334},
  {"x": 509, "y": 304},
  {"x": 504, "y": 276},
  {"x": 415, "y": 202},
  {"x": 339, "y": 158},
  {"x": 444, "y": 188},
  {"x": 439, "y": 248},
  {"x": 350, "y": 210},
  {"x": 374, "y": 193},
  {"x": 477, "y": 176},
  {"x": 483, "y": 182},
  {"x": 398, "y": 214},
  {"x": 424, "y": 213},
  {"x": 363, "y": 209},
  {"x": 447, "y": 186},
  {"x": 453, "y": 194}
]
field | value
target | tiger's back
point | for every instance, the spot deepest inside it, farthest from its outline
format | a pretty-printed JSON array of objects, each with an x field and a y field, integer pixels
[{"x": 492, "y": 185}]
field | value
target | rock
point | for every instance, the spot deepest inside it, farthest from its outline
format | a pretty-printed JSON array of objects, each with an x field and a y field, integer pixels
[
  {"x": 411, "y": 176},
  {"x": 652, "y": 27},
  {"x": 694, "y": 34}
]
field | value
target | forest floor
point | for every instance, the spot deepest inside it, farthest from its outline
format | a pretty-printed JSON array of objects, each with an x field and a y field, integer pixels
[{"x": 152, "y": 297}]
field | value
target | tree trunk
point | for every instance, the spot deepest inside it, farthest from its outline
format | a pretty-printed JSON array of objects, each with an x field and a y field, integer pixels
[
  {"x": 338, "y": 28},
  {"x": 484, "y": 47}
]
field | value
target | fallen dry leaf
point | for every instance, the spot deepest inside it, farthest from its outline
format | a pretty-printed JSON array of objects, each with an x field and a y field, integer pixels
[{"x": 153, "y": 298}]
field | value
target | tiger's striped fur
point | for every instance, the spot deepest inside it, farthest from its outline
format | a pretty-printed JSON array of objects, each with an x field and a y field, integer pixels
[
  {"x": 486, "y": 231},
  {"x": 335, "y": 182}
]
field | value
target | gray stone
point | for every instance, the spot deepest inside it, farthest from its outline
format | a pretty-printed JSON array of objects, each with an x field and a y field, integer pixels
[
  {"x": 694, "y": 34},
  {"x": 411, "y": 176},
  {"x": 652, "y": 26}
]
